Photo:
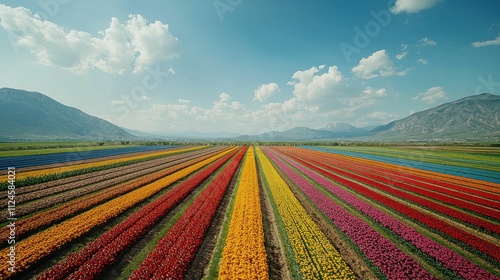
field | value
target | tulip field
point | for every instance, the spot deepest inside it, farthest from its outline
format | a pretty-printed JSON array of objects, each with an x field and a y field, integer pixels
[{"x": 253, "y": 212}]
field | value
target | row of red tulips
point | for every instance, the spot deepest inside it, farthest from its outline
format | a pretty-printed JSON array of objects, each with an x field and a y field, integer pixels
[
  {"x": 454, "y": 194},
  {"x": 176, "y": 250},
  {"x": 90, "y": 262},
  {"x": 44, "y": 219}
]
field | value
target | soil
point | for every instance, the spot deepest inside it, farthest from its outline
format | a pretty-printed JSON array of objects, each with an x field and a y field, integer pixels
[
  {"x": 275, "y": 250},
  {"x": 201, "y": 261}
]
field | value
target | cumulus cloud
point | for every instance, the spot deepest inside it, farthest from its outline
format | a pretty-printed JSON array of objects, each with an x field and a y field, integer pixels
[
  {"x": 182, "y": 116},
  {"x": 264, "y": 91},
  {"x": 427, "y": 42},
  {"x": 493, "y": 42},
  {"x": 320, "y": 94},
  {"x": 432, "y": 95},
  {"x": 310, "y": 86},
  {"x": 377, "y": 64},
  {"x": 412, "y": 6},
  {"x": 132, "y": 45}
]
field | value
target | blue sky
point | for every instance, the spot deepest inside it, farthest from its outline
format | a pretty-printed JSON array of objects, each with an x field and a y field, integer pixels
[{"x": 241, "y": 67}]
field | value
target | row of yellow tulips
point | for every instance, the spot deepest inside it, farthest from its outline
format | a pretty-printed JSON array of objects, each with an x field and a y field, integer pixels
[
  {"x": 40, "y": 245},
  {"x": 314, "y": 253},
  {"x": 244, "y": 255}
]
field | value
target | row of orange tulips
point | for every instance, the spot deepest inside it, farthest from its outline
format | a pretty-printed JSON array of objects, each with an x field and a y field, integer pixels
[
  {"x": 42, "y": 244},
  {"x": 244, "y": 255}
]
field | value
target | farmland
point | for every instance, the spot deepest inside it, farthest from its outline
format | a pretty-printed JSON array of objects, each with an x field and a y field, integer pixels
[{"x": 252, "y": 212}]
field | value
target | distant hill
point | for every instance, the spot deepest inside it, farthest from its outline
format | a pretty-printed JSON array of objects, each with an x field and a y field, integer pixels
[
  {"x": 332, "y": 131},
  {"x": 34, "y": 116},
  {"x": 473, "y": 117}
]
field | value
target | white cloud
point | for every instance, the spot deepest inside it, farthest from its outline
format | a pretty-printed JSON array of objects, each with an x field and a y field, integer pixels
[
  {"x": 422, "y": 61},
  {"x": 132, "y": 45},
  {"x": 377, "y": 64},
  {"x": 309, "y": 86},
  {"x": 375, "y": 93},
  {"x": 264, "y": 91},
  {"x": 432, "y": 95},
  {"x": 493, "y": 42},
  {"x": 412, "y": 6},
  {"x": 320, "y": 94},
  {"x": 427, "y": 42},
  {"x": 168, "y": 118}
]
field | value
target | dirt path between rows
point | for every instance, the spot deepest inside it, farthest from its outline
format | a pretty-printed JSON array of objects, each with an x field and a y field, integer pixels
[
  {"x": 201, "y": 261},
  {"x": 275, "y": 250}
]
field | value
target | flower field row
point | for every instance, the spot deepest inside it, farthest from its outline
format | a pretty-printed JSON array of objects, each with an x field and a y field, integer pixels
[
  {"x": 176, "y": 250},
  {"x": 244, "y": 255},
  {"x": 102, "y": 252},
  {"x": 471, "y": 158},
  {"x": 488, "y": 248},
  {"x": 425, "y": 194},
  {"x": 380, "y": 183},
  {"x": 469, "y": 178},
  {"x": 46, "y": 172},
  {"x": 314, "y": 253},
  {"x": 46, "y": 242},
  {"x": 83, "y": 154},
  {"x": 438, "y": 187},
  {"x": 447, "y": 258},
  {"x": 394, "y": 263},
  {"x": 69, "y": 209},
  {"x": 269, "y": 212},
  {"x": 461, "y": 184}
]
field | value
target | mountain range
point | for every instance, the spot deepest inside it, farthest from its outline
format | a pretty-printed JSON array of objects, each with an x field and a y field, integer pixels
[
  {"x": 475, "y": 117},
  {"x": 34, "y": 116}
]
